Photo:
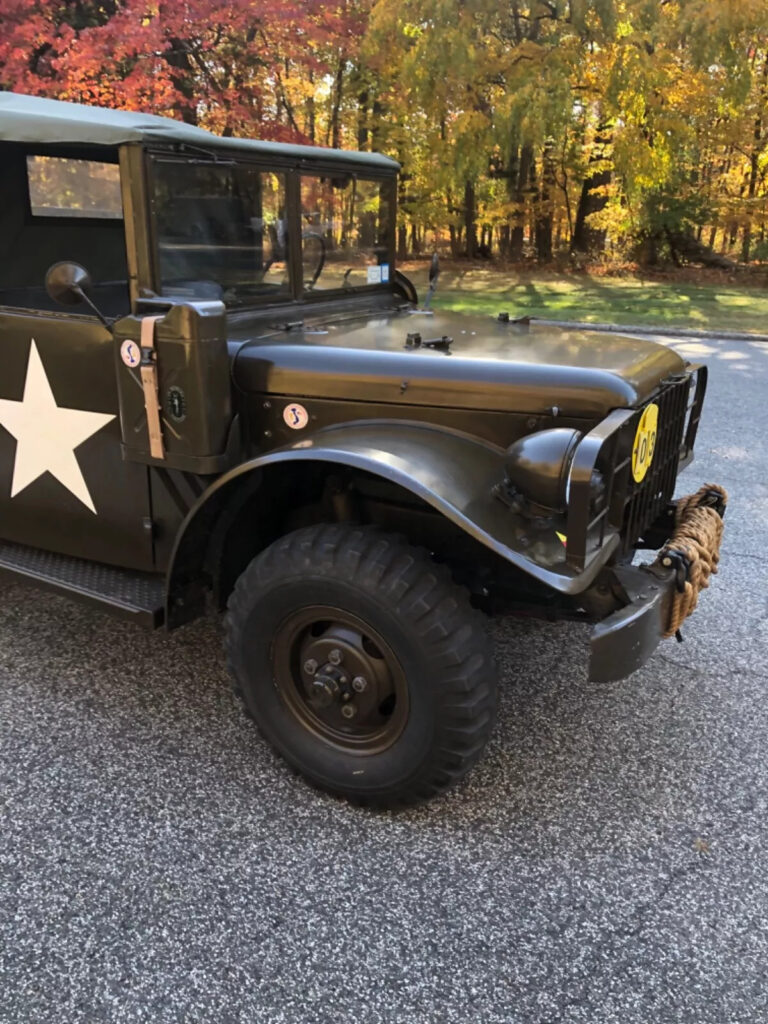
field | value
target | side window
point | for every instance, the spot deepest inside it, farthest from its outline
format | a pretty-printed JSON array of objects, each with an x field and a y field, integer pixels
[
  {"x": 60, "y": 187},
  {"x": 56, "y": 208}
]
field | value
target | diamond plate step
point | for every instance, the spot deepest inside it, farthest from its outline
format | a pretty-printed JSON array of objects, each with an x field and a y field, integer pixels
[{"x": 138, "y": 596}]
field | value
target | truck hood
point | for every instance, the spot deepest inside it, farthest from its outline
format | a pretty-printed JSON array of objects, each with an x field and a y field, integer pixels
[{"x": 490, "y": 365}]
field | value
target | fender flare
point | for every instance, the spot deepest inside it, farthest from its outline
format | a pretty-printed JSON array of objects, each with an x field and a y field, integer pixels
[{"x": 453, "y": 472}]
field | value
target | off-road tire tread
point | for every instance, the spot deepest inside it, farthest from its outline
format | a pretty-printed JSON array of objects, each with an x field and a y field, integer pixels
[{"x": 422, "y": 593}]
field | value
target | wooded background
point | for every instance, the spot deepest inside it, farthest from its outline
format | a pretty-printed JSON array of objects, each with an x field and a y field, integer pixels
[{"x": 531, "y": 131}]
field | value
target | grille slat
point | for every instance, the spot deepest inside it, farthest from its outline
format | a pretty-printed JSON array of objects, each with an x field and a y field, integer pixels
[{"x": 647, "y": 500}]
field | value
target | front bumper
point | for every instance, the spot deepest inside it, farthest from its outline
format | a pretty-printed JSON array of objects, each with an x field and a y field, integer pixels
[
  {"x": 624, "y": 641},
  {"x": 657, "y": 598}
]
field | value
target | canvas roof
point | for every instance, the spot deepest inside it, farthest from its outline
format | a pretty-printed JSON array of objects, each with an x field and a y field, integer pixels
[{"x": 38, "y": 120}]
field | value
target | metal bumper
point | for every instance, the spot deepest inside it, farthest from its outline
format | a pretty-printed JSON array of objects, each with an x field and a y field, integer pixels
[{"x": 624, "y": 641}]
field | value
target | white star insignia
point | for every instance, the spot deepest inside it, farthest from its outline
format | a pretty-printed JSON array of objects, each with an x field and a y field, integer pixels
[{"x": 47, "y": 434}]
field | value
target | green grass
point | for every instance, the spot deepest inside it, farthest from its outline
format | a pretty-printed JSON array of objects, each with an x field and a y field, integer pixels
[{"x": 625, "y": 300}]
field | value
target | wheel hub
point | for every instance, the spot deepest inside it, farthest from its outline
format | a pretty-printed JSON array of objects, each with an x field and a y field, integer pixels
[
  {"x": 341, "y": 678},
  {"x": 336, "y": 669},
  {"x": 324, "y": 690}
]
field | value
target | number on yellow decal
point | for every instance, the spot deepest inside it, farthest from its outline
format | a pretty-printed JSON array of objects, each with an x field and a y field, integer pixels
[{"x": 645, "y": 442}]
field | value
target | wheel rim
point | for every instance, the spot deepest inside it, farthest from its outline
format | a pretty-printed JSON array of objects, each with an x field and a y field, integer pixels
[{"x": 340, "y": 678}]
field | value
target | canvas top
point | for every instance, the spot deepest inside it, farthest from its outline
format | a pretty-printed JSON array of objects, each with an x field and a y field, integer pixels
[{"x": 36, "y": 119}]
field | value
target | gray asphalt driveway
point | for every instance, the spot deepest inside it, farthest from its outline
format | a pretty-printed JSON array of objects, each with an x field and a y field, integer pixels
[{"x": 606, "y": 862}]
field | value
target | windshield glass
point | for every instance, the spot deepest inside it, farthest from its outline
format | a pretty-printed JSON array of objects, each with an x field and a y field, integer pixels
[
  {"x": 345, "y": 231},
  {"x": 221, "y": 232}
]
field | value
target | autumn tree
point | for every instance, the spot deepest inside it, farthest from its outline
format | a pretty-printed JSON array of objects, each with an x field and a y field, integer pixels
[
  {"x": 529, "y": 128},
  {"x": 244, "y": 66}
]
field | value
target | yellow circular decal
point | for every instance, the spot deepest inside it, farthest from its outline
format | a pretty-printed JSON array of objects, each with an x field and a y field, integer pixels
[{"x": 645, "y": 442}]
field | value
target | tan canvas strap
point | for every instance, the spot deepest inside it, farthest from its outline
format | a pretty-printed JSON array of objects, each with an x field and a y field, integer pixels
[{"x": 149, "y": 383}]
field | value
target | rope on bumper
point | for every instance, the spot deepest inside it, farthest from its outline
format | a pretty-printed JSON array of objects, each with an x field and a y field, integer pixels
[{"x": 694, "y": 549}]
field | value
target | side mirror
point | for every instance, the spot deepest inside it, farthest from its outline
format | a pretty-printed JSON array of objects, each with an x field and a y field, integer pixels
[{"x": 68, "y": 284}]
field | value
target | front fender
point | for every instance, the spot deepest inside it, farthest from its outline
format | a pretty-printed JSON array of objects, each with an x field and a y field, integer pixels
[{"x": 449, "y": 470}]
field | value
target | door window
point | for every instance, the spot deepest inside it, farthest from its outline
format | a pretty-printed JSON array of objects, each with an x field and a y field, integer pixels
[{"x": 60, "y": 208}]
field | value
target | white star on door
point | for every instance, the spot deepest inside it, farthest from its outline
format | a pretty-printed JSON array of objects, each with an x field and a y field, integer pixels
[{"x": 47, "y": 434}]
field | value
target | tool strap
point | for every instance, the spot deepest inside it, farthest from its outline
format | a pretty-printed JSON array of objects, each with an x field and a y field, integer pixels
[{"x": 149, "y": 384}]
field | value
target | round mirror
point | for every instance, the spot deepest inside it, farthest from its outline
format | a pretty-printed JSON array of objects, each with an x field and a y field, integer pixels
[{"x": 67, "y": 283}]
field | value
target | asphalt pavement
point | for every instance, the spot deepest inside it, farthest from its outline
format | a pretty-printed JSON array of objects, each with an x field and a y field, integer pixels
[{"x": 606, "y": 862}]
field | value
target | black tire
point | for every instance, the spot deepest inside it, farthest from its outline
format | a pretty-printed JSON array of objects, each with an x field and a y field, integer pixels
[{"x": 434, "y": 687}]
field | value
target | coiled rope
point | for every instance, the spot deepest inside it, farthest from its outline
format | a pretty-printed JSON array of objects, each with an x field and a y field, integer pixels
[{"x": 693, "y": 549}]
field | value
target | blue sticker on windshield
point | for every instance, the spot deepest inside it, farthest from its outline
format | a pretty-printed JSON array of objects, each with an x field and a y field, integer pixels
[{"x": 384, "y": 273}]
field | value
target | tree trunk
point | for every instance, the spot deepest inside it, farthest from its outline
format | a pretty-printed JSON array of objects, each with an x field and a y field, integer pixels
[
  {"x": 586, "y": 239},
  {"x": 377, "y": 119},
  {"x": 402, "y": 241},
  {"x": 402, "y": 230},
  {"x": 311, "y": 119},
  {"x": 754, "y": 166},
  {"x": 183, "y": 79},
  {"x": 333, "y": 134},
  {"x": 470, "y": 218},
  {"x": 520, "y": 173},
  {"x": 504, "y": 240},
  {"x": 544, "y": 206},
  {"x": 452, "y": 229},
  {"x": 362, "y": 120}
]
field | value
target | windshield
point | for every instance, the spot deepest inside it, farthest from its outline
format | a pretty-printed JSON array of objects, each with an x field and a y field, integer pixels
[
  {"x": 345, "y": 232},
  {"x": 221, "y": 232}
]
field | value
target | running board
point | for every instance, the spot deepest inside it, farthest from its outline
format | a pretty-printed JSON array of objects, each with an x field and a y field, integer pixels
[{"x": 138, "y": 596}]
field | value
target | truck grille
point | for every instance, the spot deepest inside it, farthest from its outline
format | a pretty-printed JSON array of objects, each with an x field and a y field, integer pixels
[{"x": 647, "y": 500}]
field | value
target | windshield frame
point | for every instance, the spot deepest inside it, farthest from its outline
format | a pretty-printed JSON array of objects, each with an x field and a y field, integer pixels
[{"x": 292, "y": 171}]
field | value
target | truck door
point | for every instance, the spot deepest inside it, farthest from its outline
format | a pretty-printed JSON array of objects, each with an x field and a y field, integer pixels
[{"x": 64, "y": 486}]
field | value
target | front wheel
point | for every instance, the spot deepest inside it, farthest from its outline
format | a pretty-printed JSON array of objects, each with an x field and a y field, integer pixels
[{"x": 362, "y": 663}]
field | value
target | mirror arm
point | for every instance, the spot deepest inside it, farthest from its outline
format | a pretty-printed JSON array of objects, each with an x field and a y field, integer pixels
[{"x": 84, "y": 298}]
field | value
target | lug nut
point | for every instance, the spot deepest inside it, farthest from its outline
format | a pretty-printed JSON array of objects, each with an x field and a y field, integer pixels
[
  {"x": 348, "y": 710},
  {"x": 359, "y": 684},
  {"x": 310, "y": 666},
  {"x": 335, "y": 656}
]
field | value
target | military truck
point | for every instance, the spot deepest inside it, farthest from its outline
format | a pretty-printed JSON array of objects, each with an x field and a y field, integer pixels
[{"x": 219, "y": 393}]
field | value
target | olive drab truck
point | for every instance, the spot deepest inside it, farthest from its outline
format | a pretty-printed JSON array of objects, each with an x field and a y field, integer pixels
[{"x": 219, "y": 393}]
